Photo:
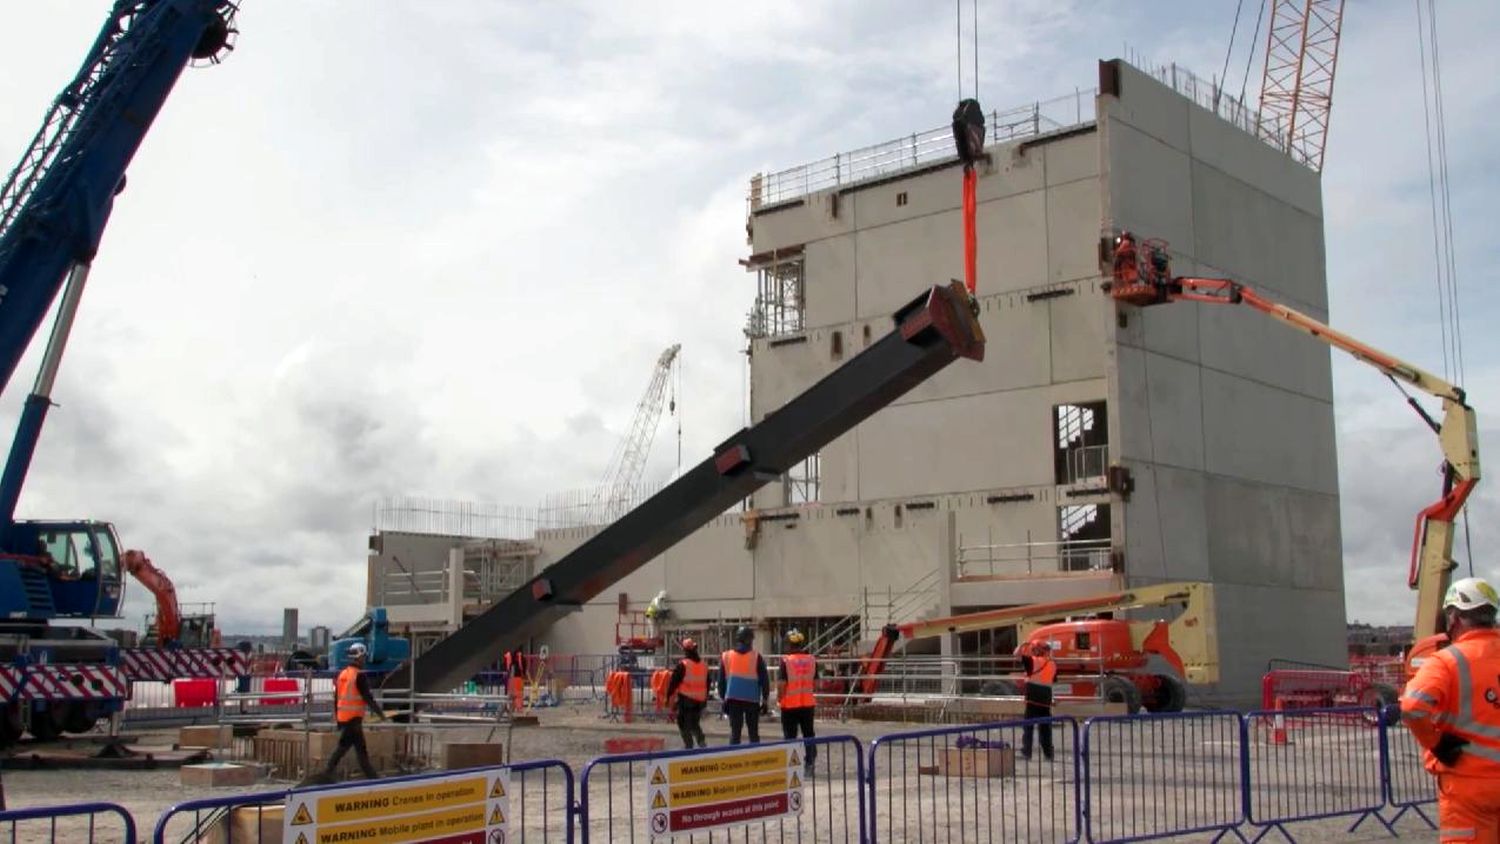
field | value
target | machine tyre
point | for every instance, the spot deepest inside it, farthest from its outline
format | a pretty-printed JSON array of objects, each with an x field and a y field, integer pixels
[
  {"x": 1000, "y": 688},
  {"x": 1173, "y": 696},
  {"x": 45, "y": 725},
  {"x": 11, "y": 728},
  {"x": 76, "y": 717},
  {"x": 1117, "y": 689}
]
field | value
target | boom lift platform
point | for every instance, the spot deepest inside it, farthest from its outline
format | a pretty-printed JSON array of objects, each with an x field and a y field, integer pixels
[
  {"x": 1142, "y": 276},
  {"x": 1109, "y": 658},
  {"x": 935, "y": 329}
]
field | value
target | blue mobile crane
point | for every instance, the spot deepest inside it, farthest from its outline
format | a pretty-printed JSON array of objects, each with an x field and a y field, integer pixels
[{"x": 53, "y": 210}]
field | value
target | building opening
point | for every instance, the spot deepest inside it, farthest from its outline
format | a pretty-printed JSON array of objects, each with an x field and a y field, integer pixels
[{"x": 1080, "y": 443}]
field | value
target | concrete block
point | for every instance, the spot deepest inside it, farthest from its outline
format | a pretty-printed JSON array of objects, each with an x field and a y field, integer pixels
[
  {"x": 219, "y": 775},
  {"x": 458, "y": 755},
  {"x": 205, "y": 736}
]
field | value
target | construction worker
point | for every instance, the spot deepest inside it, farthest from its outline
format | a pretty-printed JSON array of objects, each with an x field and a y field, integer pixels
[
  {"x": 1041, "y": 672},
  {"x": 1452, "y": 707},
  {"x": 352, "y": 701},
  {"x": 744, "y": 686},
  {"x": 690, "y": 684},
  {"x": 795, "y": 695}
]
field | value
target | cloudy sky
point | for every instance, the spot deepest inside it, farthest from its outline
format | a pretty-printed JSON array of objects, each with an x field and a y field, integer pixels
[{"x": 435, "y": 247}]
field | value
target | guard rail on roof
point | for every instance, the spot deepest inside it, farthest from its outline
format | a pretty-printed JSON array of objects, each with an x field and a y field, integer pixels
[{"x": 919, "y": 148}]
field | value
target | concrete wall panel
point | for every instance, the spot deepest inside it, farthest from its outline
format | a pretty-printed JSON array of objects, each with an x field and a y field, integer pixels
[
  {"x": 1069, "y": 159},
  {"x": 1149, "y": 106},
  {"x": 1220, "y": 145},
  {"x": 1150, "y": 187},
  {"x": 1073, "y": 230},
  {"x": 1264, "y": 434},
  {"x": 1012, "y": 243},
  {"x": 903, "y": 260},
  {"x": 828, "y": 273},
  {"x": 1077, "y": 341},
  {"x": 1166, "y": 524},
  {"x": 1258, "y": 239}
]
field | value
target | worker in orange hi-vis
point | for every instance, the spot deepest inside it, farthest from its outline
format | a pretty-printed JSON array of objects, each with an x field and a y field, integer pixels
[
  {"x": 517, "y": 680},
  {"x": 796, "y": 696},
  {"x": 688, "y": 691},
  {"x": 352, "y": 703},
  {"x": 1041, "y": 672},
  {"x": 1452, "y": 707}
]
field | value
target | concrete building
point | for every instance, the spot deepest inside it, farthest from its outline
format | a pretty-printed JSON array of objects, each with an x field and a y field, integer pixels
[{"x": 1097, "y": 445}]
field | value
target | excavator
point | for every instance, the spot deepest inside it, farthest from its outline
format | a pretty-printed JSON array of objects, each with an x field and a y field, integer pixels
[
  {"x": 1142, "y": 276},
  {"x": 170, "y": 628}
]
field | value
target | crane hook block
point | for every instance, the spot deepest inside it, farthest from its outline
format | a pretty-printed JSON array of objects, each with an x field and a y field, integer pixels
[{"x": 968, "y": 131}]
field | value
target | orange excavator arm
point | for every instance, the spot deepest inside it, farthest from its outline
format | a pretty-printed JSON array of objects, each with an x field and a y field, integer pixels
[
  {"x": 1142, "y": 276},
  {"x": 168, "y": 617}
]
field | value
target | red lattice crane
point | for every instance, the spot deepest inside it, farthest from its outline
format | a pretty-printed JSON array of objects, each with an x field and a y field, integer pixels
[{"x": 1296, "y": 91}]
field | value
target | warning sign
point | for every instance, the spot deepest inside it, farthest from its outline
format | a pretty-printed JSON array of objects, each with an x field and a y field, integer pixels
[
  {"x": 465, "y": 807},
  {"x": 725, "y": 789}
]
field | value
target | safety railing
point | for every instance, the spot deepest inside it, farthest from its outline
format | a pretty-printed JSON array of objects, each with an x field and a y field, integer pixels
[
  {"x": 1115, "y": 778},
  {"x": 1408, "y": 785},
  {"x": 772, "y": 791},
  {"x": 1129, "y": 762},
  {"x": 976, "y": 783},
  {"x": 1086, "y": 463},
  {"x": 1325, "y": 763},
  {"x": 539, "y": 797},
  {"x": 1027, "y": 559},
  {"x": 86, "y": 823},
  {"x": 916, "y": 149}
]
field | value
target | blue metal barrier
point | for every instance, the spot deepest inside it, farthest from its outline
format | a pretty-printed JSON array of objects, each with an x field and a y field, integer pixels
[
  {"x": 59, "y": 829},
  {"x": 1311, "y": 764},
  {"x": 541, "y": 805},
  {"x": 614, "y": 804},
  {"x": 1408, "y": 785},
  {"x": 973, "y": 783},
  {"x": 1165, "y": 774}
]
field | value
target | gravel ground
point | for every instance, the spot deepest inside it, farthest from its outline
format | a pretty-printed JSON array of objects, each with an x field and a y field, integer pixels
[{"x": 1035, "y": 803}]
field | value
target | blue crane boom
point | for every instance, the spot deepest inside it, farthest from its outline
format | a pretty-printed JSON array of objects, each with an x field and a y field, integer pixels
[
  {"x": 54, "y": 205},
  {"x": 53, "y": 210}
]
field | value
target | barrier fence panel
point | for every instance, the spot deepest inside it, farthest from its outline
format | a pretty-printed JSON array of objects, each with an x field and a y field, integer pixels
[
  {"x": 86, "y": 823},
  {"x": 1312, "y": 764},
  {"x": 539, "y": 797},
  {"x": 1155, "y": 776},
  {"x": 1408, "y": 785},
  {"x": 973, "y": 784},
  {"x": 749, "y": 793}
]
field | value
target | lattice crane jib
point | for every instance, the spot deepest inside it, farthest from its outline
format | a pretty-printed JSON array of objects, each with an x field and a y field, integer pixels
[
  {"x": 1296, "y": 95},
  {"x": 620, "y": 481}
]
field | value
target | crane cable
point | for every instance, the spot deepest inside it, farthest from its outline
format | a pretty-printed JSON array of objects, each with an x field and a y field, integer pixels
[
  {"x": 1440, "y": 196},
  {"x": 1234, "y": 30}
]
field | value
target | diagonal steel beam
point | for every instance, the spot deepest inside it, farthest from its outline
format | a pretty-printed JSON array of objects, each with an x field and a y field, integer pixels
[{"x": 934, "y": 330}]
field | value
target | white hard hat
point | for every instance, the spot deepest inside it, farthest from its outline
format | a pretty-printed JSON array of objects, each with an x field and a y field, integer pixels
[
  {"x": 356, "y": 650},
  {"x": 1471, "y": 593}
]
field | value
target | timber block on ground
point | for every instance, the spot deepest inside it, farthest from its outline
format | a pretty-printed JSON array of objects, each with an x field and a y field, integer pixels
[{"x": 219, "y": 774}]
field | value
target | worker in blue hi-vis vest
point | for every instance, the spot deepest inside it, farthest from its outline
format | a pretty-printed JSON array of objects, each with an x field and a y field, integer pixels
[{"x": 744, "y": 686}]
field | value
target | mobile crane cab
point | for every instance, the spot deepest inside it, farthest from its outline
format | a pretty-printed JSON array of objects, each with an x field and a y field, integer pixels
[{"x": 68, "y": 569}]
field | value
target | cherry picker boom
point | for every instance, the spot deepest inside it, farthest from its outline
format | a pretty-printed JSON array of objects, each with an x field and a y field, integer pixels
[
  {"x": 934, "y": 330},
  {"x": 1142, "y": 276}
]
